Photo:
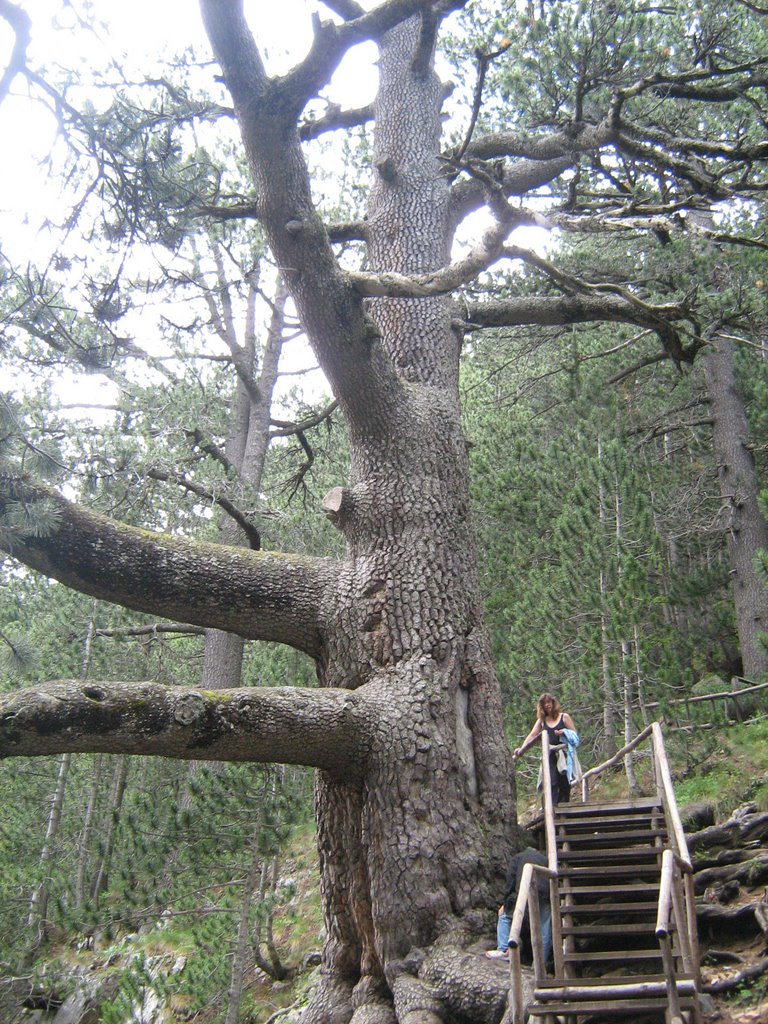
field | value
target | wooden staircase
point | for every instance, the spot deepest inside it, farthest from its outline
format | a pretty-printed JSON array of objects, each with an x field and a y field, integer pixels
[
  {"x": 609, "y": 871},
  {"x": 622, "y": 914}
]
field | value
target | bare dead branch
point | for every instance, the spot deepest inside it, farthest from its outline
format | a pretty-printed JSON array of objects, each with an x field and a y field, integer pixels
[
  {"x": 156, "y": 629},
  {"x": 248, "y": 528},
  {"x": 334, "y": 119},
  {"x": 285, "y": 428},
  {"x": 21, "y": 26},
  {"x": 484, "y": 61}
]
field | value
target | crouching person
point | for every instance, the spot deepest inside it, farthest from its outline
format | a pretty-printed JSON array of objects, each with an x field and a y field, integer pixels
[{"x": 507, "y": 908}]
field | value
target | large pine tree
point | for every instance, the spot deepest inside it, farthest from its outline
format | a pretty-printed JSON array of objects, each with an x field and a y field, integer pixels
[{"x": 414, "y": 794}]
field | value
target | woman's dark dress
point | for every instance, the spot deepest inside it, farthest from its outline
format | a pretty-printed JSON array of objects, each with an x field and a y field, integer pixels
[{"x": 561, "y": 787}]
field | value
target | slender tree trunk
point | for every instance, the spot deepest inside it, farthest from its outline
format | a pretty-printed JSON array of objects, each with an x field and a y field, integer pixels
[
  {"x": 120, "y": 766},
  {"x": 640, "y": 687},
  {"x": 86, "y": 835},
  {"x": 610, "y": 725},
  {"x": 38, "y": 907},
  {"x": 263, "y": 932},
  {"x": 242, "y": 943},
  {"x": 629, "y": 763},
  {"x": 246, "y": 446}
]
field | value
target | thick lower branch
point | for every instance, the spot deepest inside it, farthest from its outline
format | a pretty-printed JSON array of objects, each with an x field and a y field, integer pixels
[
  {"x": 258, "y": 595},
  {"x": 317, "y": 728}
]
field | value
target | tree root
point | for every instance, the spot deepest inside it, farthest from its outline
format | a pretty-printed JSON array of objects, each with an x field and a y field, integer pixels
[{"x": 755, "y": 970}]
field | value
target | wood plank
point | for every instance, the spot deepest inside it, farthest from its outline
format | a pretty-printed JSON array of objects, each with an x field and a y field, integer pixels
[
  {"x": 616, "y": 1007},
  {"x": 578, "y": 824},
  {"x": 617, "y": 978},
  {"x": 620, "y": 836},
  {"x": 641, "y": 803},
  {"x": 623, "y": 854},
  {"x": 613, "y": 956},
  {"x": 640, "y": 888},
  {"x": 637, "y": 988},
  {"x": 628, "y": 871},
  {"x": 609, "y": 908},
  {"x": 596, "y": 928}
]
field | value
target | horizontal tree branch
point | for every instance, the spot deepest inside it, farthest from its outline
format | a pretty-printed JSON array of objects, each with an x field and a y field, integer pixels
[
  {"x": 258, "y": 595},
  {"x": 556, "y": 310},
  {"x": 542, "y": 147},
  {"x": 288, "y": 725},
  {"x": 155, "y": 629},
  {"x": 516, "y": 180},
  {"x": 287, "y": 428},
  {"x": 334, "y": 119}
]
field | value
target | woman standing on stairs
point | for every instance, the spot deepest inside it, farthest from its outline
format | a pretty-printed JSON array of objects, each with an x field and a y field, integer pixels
[{"x": 550, "y": 716}]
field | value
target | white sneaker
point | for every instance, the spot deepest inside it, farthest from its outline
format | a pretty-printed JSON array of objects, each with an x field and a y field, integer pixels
[{"x": 496, "y": 954}]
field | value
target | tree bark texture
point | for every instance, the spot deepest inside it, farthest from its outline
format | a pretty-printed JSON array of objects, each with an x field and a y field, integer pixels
[
  {"x": 746, "y": 528},
  {"x": 414, "y": 792}
]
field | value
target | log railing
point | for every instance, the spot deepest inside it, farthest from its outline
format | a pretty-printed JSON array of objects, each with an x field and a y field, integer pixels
[
  {"x": 676, "y": 906},
  {"x": 528, "y": 896},
  {"x": 676, "y": 895}
]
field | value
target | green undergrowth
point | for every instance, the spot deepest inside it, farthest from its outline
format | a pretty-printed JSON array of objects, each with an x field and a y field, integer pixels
[{"x": 728, "y": 770}]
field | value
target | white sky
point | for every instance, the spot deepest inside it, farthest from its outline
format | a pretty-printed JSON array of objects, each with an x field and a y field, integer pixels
[{"x": 133, "y": 34}]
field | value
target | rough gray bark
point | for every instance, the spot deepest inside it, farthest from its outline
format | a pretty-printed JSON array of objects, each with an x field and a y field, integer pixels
[
  {"x": 746, "y": 528},
  {"x": 414, "y": 791}
]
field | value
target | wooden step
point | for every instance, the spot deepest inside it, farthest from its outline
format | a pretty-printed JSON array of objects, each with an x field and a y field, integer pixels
[
  {"x": 636, "y": 837},
  {"x": 636, "y": 987},
  {"x": 628, "y": 871},
  {"x": 644, "y": 930},
  {"x": 621, "y": 956},
  {"x": 612, "y": 1007},
  {"x": 579, "y": 823},
  {"x": 624, "y": 855},
  {"x": 613, "y": 979},
  {"x": 638, "y": 804},
  {"x": 641, "y": 907},
  {"x": 618, "y": 889}
]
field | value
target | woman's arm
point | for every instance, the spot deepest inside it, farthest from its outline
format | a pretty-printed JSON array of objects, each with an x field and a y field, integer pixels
[
  {"x": 529, "y": 739},
  {"x": 568, "y": 722}
]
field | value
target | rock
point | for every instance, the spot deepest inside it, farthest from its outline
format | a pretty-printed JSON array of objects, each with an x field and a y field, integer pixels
[
  {"x": 697, "y": 816},
  {"x": 78, "y": 1008}
]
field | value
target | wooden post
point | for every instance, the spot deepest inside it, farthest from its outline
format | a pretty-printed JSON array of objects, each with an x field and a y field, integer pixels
[
  {"x": 516, "y": 985},
  {"x": 534, "y": 917}
]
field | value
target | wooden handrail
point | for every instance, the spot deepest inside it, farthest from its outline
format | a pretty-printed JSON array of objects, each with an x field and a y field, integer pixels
[
  {"x": 598, "y": 769},
  {"x": 664, "y": 912},
  {"x": 667, "y": 794},
  {"x": 525, "y": 897},
  {"x": 549, "y": 808},
  {"x": 676, "y": 896},
  {"x": 698, "y": 698}
]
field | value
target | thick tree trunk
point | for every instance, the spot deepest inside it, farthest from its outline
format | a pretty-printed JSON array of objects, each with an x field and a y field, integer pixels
[
  {"x": 413, "y": 854},
  {"x": 414, "y": 792},
  {"x": 746, "y": 528}
]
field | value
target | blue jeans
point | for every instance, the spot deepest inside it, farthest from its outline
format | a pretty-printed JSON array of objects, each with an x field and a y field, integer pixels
[{"x": 505, "y": 923}]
